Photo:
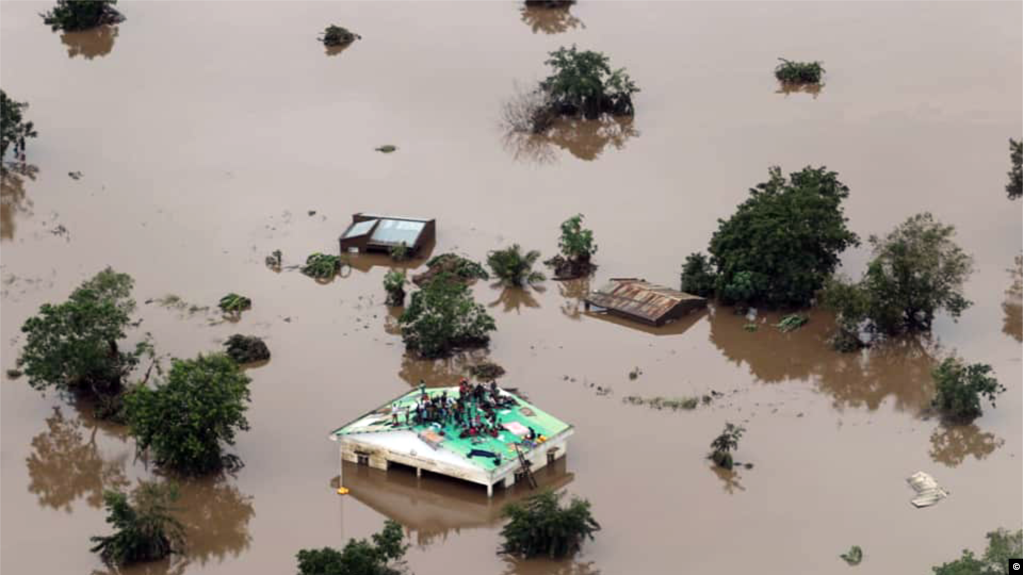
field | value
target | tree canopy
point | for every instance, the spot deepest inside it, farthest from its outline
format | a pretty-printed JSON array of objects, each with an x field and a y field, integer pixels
[
  {"x": 583, "y": 82},
  {"x": 187, "y": 420},
  {"x": 541, "y": 527},
  {"x": 780, "y": 245},
  {"x": 917, "y": 270},
  {"x": 513, "y": 267},
  {"x": 144, "y": 529},
  {"x": 14, "y": 130},
  {"x": 74, "y": 15},
  {"x": 73, "y": 346},
  {"x": 959, "y": 388},
  {"x": 1002, "y": 546},
  {"x": 790, "y": 72},
  {"x": 443, "y": 317},
  {"x": 359, "y": 556}
]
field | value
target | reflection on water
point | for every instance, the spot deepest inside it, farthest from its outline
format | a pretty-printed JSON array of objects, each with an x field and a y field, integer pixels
[
  {"x": 515, "y": 298},
  {"x": 676, "y": 327},
  {"x": 584, "y": 139},
  {"x": 216, "y": 517},
  {"x": 900, "y": 368},
  {"x": 366, "y": 261},
  {"x": 951, "y": 444},
  {"x": 433, "y": 506},
  {"x": 336, "y": 50},
  {"x": 517, "y": 566},
  {"x": 574, "y": 291},
  {"x": 66, "y": 463},
  {"x": 550, "y": 20},
  {"x": 443, "y": 372},
  {"x": 12, "y": 196},
  {"x": 98, "y": 41},
  {"x": 1013, "y": 305},
  {"x": 729, "y": 479},
  {"x": 787, "y": 88}
]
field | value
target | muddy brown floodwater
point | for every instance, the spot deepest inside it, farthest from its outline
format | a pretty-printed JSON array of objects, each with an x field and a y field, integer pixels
[{"x": 206, "y": 132}]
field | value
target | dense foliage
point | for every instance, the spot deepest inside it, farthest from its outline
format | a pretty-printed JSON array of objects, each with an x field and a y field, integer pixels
[
  {"x": 338, "y": 36},
  {"x": 246, "y": 348},
  {"x": 14, "y": 130},
  {"x": 916, "y": 271},
  {"x": 698, "y": 277},
  {"x": 359, "y": 556},
  {"x": 584, "y": 83},
  {"x": 187, "y": 420},
  {"x": 781, "y": 244},
  {"x": 454, "y": 266},
  {"x": 144, "y": 529},
  {"x": 73, "y": 346},
  {"x": 443, "y": 317},
  {"x": 73, "y": 15},
  {"x": 1015, "y": 186},
  {"x": 1002, "y": 546},
  {"x": 394, "y": 285},
  {"x": 577, "y": 249},
  {"x": 960, "y": 387},
  {"x": 799, "y": 72},
  {"x": 724, "y": 444},
  {"x": 322, "y": 266},
  {"x": 233, "y": 304},
  {"x": 513, "y": 267},
  {"x": 541, "y": 527}
]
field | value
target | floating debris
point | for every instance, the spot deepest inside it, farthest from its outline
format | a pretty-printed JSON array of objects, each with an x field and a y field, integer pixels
[
  {"x": 486, "y": 371},
  {"x": 750, "y": 327},
  {"x": 927, "y": 489},
  {"x": 635, "y": 373},
  {"x": 387, "y": 149},
  {"x": 853, "y": 556},
  {"x": 792, "y": 322},
  {"x": 672, "y": 403},
  {"x": 13, "y": 373},
  {"x": 75, "y": 175}
]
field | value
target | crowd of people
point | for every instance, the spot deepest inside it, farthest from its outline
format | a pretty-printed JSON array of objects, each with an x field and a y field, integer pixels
[{"x": 473, "y": 412}]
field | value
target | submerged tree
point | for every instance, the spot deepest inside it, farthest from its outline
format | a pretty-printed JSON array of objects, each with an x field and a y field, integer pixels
[
  {"x": 443, "y": 317},
  {"x": 246, "y": 348},
  {"x": 394, "y": 285},
  {"x": 454, "y": 266},
  {"x": 359, "y": 556},
  {"x": 74, "y": 15},
  {"x": 541, "y": 527},
  {"x": 789, "y": 72},
  {"x": 15, "y": 130},
  {"x": 1015, "y": 186},
  {"x": 917, "y": 270},
  {"x": 337, "y": 36},
  {"x": 960, "y": 387},
  {"x": 144, "y": 529},
  {"x": 584, "y": 83},
  {"x": 781, "y": 244},
  {"x": 577, "y": 249},
  {"x": 233, "y": 304},
  {"x": 513, "y": 267},
  {"x": 73, "y": 346},
  {"x": 698, "y": 277},
  {"x": 724, "y": 444},
  {"x": 550, "y": 17},
  {"x": 321, "y": 266},
  {"x": 1002, "y": 546},
  {"x": 187, "y": 420}
]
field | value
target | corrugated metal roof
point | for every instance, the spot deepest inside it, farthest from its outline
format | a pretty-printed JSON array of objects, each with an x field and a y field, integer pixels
[
  {"x": 394, "y": 232},
  {"x": 639, "y": 298},
  {"x": 359, "y": 229}
]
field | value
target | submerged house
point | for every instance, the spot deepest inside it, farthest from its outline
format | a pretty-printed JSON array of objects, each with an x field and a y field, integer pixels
[
  {"x": 373, "y": 233},
  {"x": 374, "y": 439},
  {"x": 642, "y": 301}
]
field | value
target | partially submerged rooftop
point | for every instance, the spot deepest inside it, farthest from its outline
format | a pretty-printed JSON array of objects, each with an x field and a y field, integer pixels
[
  {"x": 374, "y": 439},
  {"x": 642, "y": 301},
  {"x": 372, "y": 232}
]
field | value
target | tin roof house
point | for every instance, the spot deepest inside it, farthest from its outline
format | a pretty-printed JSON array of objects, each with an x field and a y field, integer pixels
[
  {"x": 642, "y": 301},
  {"x": 375, "y": 233}
]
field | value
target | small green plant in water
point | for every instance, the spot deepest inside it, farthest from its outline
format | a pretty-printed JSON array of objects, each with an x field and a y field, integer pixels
[
  {"x": 790, "y": 72},
  {"x": 792, "y": 322},
  {"x": 400, "y": 252},
  {"x": 387, "y": 149},
  {"x": 322, "y": 266},
  {"x": 234, "y": 304},
  {"x": 338, "y": 36},
  {"x": 513, "y": 267},
  {"x": 635, "y": 373},
  {"x": 853, "y": 556},
  {"x": 724, "y": 444},
  {"x": 960, "y": 387},
  {"x": 144, "y": 529},
  {"x": 394, "y": 285},
  {"x": 454, "y": 266},
  {"x": 541, "y": 527},
  {"x": 273, "y": 261}
]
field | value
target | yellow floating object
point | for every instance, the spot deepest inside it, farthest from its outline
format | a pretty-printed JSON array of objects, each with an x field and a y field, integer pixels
[{"x": 342, "y": 491}]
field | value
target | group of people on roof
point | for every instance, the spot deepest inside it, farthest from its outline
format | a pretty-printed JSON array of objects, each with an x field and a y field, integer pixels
[{"x": 473, "y": 412}]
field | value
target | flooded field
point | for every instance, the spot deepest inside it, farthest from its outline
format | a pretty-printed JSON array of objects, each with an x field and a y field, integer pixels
[{"x": 206, "y": 134}]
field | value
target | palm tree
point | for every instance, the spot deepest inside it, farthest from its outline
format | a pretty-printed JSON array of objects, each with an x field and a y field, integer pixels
[{"x": 513, "y": 267}]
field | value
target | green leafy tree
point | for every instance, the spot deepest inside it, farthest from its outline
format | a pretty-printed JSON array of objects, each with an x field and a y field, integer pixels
[
  {"x": 394, "y": 285},
  {"x": 917, "y": 270},
  {"x": 791, "y": 72},
  {"x": 233, "y": 304},
  {"x": 541, "y": 527},
  {"x": 322, "y": 266},
  {"x": 724, "y": 444},
  {"x": 74, "y": 15},
  {"x": 584, "y": 83},
  {"x": 1002, "y": 546},
  {"x": 246, "y": 348},
  {"x": 698, "y": 277},
  {"x": 513, "y": 267},
  {"x": 14, "y": 130},
  {"x": 144, "y": 529},
  {"x": 443, "y": 317},
  {"x": 576, "y": 242},
  {"x": 187, "y": 420},
  {"x": 359, "y": 556},
  {"x": 960, "y": 387},
  {"x": 1015, "y": 186},
  {"x": 783, "y": 242},
  {"x": 73, "y": 346}
]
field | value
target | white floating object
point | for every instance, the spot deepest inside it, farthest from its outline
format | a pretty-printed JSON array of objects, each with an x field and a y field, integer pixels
[{"x": 927, "y": 490}]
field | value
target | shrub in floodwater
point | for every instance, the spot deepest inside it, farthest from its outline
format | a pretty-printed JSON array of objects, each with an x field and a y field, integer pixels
[
  {"x": 394, "y": 285},
  {"x": 234, "y": 304},
  {"x": 274, "y": 260},
  {"x": 513, "y": 267},
  {"x": 400, "y": 252},
  {"x": 359, "y": 556},
  {"x": 186, "y": 420},
  {"x": 541, "y": 527},
  {"x": 960, "y": 387},
  {"x": 853, "y": 556},
  {"x": 672, "y": 403},
  {"x": 246, "y": 348},
  {"x": 443, "y": 317},
  {"x": 1015, "y": 186},
  {"x": 454, "y": 267},
  {"x": 698, "y": 277},
  {"x": 14, "y": 130},
  {"x": 550, "y": 3},
  {"x": 799, "y": 72},
  {"x": 338, "y": 36},
  {"x": 724, "y": 444},
  {"x": 74, "y": 346},
  {"x": 917, "y": 270},
  {"x": 583, "y": 83},
  {"x": 322, "y": 266},
  {"x": 1002, "y": 546},
  {"x": 74, "y": 15},
  {"x": 765, "y": 254},
  {"x": 792, "y": 322},
  {"x": 144, "y": 529},
  {"x": 577, "y": 249},
  {"x": 486, "y": 371}
]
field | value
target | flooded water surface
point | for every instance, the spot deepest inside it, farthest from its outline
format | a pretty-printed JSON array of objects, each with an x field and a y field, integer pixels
[{"x": 187, "y": 143}]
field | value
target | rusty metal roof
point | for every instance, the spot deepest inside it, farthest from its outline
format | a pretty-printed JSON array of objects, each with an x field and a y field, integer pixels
[{"x": 639, "y": 298}]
